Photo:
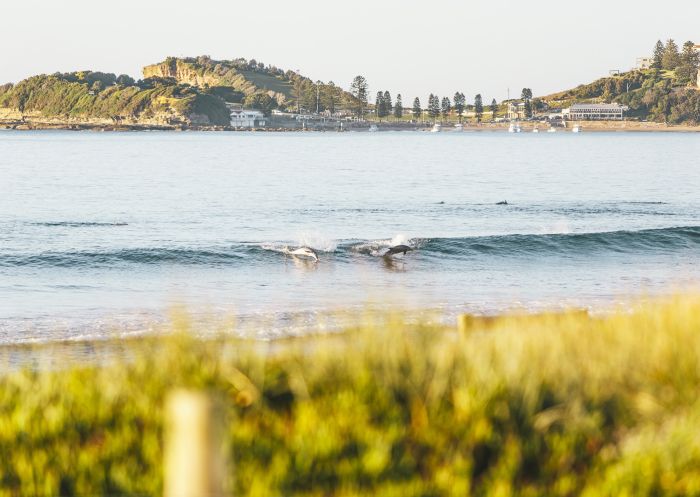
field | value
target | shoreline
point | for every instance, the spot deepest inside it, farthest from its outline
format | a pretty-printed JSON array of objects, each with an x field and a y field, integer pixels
[{"x": 526, "y": 127}]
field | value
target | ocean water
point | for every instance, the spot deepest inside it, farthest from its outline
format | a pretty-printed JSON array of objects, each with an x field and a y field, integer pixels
[{"x": 106, "y": 233}]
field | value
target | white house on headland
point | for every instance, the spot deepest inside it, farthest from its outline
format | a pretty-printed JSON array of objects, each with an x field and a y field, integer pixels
[
  {"x": 247, "y": 118},
  {"x": 595, "y": 112},
  {"x": 644, "y": 62},
  {"x": 515, "y": 111}
]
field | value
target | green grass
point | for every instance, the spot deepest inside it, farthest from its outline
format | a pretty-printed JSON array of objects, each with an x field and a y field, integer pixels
[{"x": 556, "y": 405}]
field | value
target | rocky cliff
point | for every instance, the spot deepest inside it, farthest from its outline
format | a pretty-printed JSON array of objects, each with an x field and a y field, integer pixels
[{"x": 242, "y": 76}]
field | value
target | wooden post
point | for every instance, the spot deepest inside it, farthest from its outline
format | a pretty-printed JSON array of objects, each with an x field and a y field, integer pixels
[{"x": 195, "y": 464}]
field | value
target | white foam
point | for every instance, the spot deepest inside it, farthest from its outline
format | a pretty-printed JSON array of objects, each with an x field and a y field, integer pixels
[
  {"x": 317, "y": 241},
  {"x": 560, "y": 227}
]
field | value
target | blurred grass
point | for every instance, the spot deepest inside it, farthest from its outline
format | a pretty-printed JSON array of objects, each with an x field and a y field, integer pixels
[{"x": 557, "y": 405}]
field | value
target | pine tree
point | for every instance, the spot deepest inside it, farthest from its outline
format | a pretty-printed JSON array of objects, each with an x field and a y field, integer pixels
[
  {"x": 417, "y": 110},
  {"x": 658, "y": 56},
  {"x": 359, "y": 89},
  {"x": 387, "y": 103},
  {"x": 380, "y": 105},
  {"x": 330, "y": 97},
  {"x": 445, "y": 107},
  {"x": 494, "y": 109},
  {"x": 433, "y": 106},
  {"x": 459, "y": 103},
  {"x": 687, "y": 70},
  {"x": 478, "y": 107},
  {"x": 671, "y": 58},
  {"x": 398, "y": 107},
  {"x": 526, "y": 96}
]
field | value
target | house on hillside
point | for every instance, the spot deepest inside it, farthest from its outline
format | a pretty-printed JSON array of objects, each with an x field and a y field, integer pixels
[
  {"x": 515, "y": 111},
  {"x": 247, "y": 118},
  {"x": 595, "y": 112},
  {"x": 644, "y": 62}
]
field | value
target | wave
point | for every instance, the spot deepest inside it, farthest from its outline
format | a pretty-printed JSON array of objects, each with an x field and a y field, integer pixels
[
  {"x": 573, "y": 244},
  {"x": 78, "y": 224},
  {"x": 659, "y": 241},
  {"x": 122, "y": 256}
]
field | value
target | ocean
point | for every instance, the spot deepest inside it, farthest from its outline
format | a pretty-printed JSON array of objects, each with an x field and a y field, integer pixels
[{"x": 107, "y": 234}]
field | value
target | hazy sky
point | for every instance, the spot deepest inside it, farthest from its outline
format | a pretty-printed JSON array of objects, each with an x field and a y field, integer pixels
[{"x": 409, "y": 47}]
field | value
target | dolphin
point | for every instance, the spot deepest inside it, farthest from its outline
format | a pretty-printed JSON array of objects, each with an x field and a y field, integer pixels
[
  {"x": 305, "y": 252},
  {"x": 397, "y": 249}
]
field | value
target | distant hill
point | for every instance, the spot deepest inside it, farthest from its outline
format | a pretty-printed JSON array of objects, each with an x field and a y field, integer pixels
[
  {"x": 247, "y": 77},
  {"x": 175, "y": 92},
  {"x": 93, "y": 97}
]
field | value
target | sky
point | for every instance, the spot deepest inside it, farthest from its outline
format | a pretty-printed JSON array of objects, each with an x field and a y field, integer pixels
[{"x": 408, "y": 47}]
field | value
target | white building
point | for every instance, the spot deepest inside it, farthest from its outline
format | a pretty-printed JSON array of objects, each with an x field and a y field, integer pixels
[
  {"x": 515, "y": 111},
  {"x": 595, "y": 112},
  {"x": 247, "y": 118},
  {"x": 644, "y": 62}
]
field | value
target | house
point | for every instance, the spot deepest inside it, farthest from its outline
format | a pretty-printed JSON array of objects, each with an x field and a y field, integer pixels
[
  {"x": 515, "y": 111},
  {"x": 644, "y": 62},
  {"x": 247, "y": 118},
  {"x": 595, "y": 112}
]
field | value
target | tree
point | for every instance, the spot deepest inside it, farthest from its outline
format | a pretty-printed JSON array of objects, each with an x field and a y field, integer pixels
[
  {"x": 671, "y": 58},
  {"x": 125, "y": 80},
  {"x": 433, "y": 106},
  {"x": 526, "y": 96},
  {"x": 478, "y": 107},
  {"x": 330, "y": 97},
  {"x": 688, "y": 68},
  {"x": 260, "y": 101},
  {"x": 459, "y": 103},
  {"x": 657, "y": 59},
  {"x": 494, "y": 109},
  {"x": 398, "y": 107},
  {"x": 380, "y": 106},
  {"x": 445, "y": 107},
  {"x": 387, "y": 103},
  {"x": 417, "y": 110},
  {"x": 359, "y": 89}
]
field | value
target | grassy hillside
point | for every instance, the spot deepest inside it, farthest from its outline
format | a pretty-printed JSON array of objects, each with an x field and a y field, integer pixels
[
  {"x": 86, "y": 95},
  {"x": 650, "y": 94},
  {"x": 249, "y": 78},
  {"x": 243, "y": 76},
  {"x": 556, "y": 405}
]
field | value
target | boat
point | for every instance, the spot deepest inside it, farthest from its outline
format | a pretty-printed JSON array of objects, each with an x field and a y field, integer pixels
[
  {"x": 436, "y": 128},
  {"x": 552, "y": 130},
  {"x": 514, "y": 128},
  {"x": 459, "y": 127},
  {"x": 373, "y": 128},
  {"x": 536, "y": 130},
  {"x": 576, "y": 129}
]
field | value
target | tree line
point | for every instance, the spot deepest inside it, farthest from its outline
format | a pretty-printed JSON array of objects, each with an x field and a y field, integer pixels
[
  {"x": 436, "y": 107},
  {"x": 684, "y": 62}
]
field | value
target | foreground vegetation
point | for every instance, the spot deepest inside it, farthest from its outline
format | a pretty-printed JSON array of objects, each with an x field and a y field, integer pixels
[{"x": 556, "y": 405}]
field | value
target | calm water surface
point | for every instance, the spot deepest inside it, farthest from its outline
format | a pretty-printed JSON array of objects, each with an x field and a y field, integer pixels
[{"x": 108, "y": 231}]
